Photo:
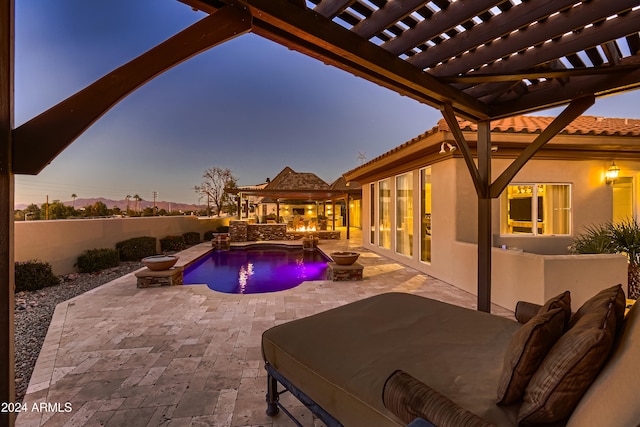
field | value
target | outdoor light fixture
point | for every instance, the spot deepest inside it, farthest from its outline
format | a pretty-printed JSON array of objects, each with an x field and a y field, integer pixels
[
  {"x": 451, "y": 147},
  {"x": 611, "y": 175}
]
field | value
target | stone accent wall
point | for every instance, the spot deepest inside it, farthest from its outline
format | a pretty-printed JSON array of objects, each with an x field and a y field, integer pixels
[
  {"x": 243, "y": 231},
  {"x": 151, "y": 279},
  {"x": 257, "y": 232},
  {"x": 238, "y": 231},
  {"x": 341, "y": 273}
]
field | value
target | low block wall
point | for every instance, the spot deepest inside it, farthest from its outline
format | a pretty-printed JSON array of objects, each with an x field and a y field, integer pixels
[
  {"x": 60, "y": 242},
  {"x": 535, "y": 278}
]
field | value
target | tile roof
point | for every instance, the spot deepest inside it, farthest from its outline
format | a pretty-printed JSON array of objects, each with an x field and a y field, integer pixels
[
  {"x": 288, "y": 179},
  {"x": 583, "y": 125}
]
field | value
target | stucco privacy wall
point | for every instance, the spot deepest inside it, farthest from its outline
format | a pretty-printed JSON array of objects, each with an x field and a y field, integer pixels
[
  {"x": 530, "y": 277},
  {"x": 60, "y": 242}
]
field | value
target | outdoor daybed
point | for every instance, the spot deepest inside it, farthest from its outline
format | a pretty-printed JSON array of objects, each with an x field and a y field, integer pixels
[{"x": 396, "y": 359}]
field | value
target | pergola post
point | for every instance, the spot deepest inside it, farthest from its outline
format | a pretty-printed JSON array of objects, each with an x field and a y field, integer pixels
[
  {"x": 484, "y": 217},
  {"x": 7, "y": 347},
  {"x": 239, "y": 206},
  {"x": 348, "y": 217},
  {"x": 333, "y": 217},
  {"x": 277, "y": 210}
]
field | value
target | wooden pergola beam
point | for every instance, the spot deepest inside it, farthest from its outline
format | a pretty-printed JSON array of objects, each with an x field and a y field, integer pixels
[
  {"x": 63, "y": 123},
  {"x": 7, "y": 283},
  {"x": 558, "y": 26},
  {"x": 480, "y": 34}
]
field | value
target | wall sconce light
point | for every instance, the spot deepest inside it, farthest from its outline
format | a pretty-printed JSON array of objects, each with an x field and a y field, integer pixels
[
  {"x": 611, "y": 175},
  {"x": 451, "y": 147}
]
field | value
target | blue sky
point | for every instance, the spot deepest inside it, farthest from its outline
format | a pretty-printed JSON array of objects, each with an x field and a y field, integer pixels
[{"x": 249, "y": 105}]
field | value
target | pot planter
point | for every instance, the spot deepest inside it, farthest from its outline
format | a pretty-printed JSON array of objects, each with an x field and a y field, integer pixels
[
  {"x": 344, "y": 258},
  {"x": 160, "y": 262}
]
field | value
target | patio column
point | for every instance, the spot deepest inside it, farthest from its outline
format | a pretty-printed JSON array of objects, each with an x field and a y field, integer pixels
[
  {"x": 7, "y": 349},
  {"x": 239, "y": 206},
  {"x": 333, "y": 217},
  {"x": 348, "y": 217},
  {"x": 484, "y": 217},
  {"x": 277, "y": 210}
]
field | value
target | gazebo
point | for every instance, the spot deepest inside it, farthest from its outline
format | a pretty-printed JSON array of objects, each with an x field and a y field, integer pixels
[{"x": 479, "y": 60}]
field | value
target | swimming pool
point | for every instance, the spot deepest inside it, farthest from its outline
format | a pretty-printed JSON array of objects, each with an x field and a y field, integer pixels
[{"x": 256, "y": 270}]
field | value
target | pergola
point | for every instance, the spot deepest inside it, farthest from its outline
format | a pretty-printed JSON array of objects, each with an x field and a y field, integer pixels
[
  {"x": 475, "y": 59},
  {"x": 311, "y": 195}
]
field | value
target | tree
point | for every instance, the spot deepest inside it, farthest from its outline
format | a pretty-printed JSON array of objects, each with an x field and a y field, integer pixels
[
  {"x": 32, "y": 212},
  {"x": 137, "y": 198},
  {"x": 74, "y": 196},
  {"x": 216, "y": 187},
  {"x": 127, "y": 197},
  {"x": 57, "y": 210}
]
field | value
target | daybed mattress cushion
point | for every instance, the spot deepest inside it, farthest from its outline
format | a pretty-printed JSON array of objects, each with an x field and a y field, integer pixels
[{"x": 341, "y": 358}]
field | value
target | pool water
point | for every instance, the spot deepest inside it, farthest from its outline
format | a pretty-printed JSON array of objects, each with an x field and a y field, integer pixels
[{"x": 253, "y": 270}]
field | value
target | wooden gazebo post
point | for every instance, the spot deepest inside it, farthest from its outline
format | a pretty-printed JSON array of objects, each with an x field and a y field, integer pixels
[{"x": 7, "y": 368}]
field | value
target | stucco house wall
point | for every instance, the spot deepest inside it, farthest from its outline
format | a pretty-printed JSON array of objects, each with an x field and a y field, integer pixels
[{"x": 533, "y": 268}]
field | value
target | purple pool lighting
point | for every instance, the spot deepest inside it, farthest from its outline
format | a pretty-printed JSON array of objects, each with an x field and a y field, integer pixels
[{"x": 253, "y": 270}]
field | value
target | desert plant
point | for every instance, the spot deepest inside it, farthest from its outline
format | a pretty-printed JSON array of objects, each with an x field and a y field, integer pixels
[
  {"x": 172, "y": 243},
  {"x": 191, "y": 238},
  {"x": 222, "y": 229},
  {"x": 208, "y": 235},
  {"x": 33, "y": 275},
  {"x": 596, "y": 239},
  {"x": 626, "y": 238},
  {"x": 136, "y": 248},
  {"x": 97, "y": 259},
  {"x": 621, "y": 237}
]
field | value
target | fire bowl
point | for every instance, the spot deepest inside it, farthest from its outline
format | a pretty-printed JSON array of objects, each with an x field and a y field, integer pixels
[
  {"x": 344, "y": 258},
  {"x": 160, "y": 262}
]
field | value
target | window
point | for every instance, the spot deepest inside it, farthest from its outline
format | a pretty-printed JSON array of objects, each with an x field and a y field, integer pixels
[
  {"x": 536, "y": 209},
  {"x": 404, "y": 214},
  {"x": 425, "y": 214},
  {"x": 384, "y": 213},
  {"x": 372, "y": 202}
]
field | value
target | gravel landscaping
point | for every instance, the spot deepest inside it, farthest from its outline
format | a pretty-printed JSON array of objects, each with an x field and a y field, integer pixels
[{"x": 34, "y": 311}]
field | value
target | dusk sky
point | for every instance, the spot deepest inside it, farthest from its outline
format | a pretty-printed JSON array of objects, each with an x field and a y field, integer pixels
[{"x": 249, "y": 105}]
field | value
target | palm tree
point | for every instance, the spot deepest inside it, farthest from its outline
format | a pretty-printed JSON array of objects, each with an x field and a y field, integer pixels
[
  {"x": 74, "y": 196},
  {"x": 137, "y": 198},
  {"x": 128, "y": 196}
]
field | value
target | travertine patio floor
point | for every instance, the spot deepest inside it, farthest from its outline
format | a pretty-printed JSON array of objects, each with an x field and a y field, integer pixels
[{"x": 186, "y": 355}]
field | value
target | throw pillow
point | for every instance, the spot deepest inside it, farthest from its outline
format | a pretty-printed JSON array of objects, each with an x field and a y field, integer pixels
[
  {"x": 613, "y": 294},
  {"x": 574, "y": 361},
  {"x": 560, "y": 301},
  {"x": 526, "y": 351}
]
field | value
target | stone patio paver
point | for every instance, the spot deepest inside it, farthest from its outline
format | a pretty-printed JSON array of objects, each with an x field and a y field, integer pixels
[{"x": 187, "y": 355}]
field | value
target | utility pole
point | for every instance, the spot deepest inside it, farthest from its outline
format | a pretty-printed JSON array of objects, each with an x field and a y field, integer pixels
[{"x": 155, "y": 209}]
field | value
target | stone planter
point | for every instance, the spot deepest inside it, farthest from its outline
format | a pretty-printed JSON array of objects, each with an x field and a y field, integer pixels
[
  {"x": 344, "y": 258},
  {"x": 309, "y": 243},
  {"x": 160, "y": 262}
]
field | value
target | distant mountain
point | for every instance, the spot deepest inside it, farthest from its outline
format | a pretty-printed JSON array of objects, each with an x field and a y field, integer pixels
[{"x": 122, "y": 204}]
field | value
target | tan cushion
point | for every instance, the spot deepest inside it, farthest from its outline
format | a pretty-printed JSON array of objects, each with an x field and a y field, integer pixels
[
  {"x": 562, "y": 301},
  {"x": 525, "y": 353},
  {"x": 612, "y": 399},
  {"x": 409, "y": 399},
  {"x": 341, "y": 358},
  {"x": 573, "y": 362}
]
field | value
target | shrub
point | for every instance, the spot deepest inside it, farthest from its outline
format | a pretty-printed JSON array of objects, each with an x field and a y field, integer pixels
[
  {"x": 208, "y": 235},
  {"x": 222, "y": 229},
  {"x": 191, "y": 238},
  {"x": 33, "y": 275},
  {"x": 172, "y": 243},
  {"x": 97, "y": 259},
  {"x": 136, "y": 248}
]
